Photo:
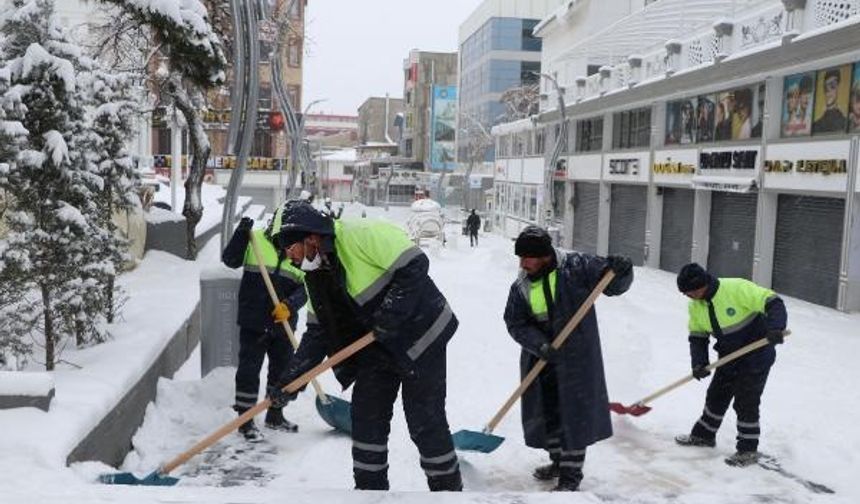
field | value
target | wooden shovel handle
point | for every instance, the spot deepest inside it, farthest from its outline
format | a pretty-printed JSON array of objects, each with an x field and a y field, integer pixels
[
  {"x": 293, "y": 386},
  {"x": 556, "y": 343},
  {"x": 755, "y": 345},
  {"x": 274, "y": 296}
]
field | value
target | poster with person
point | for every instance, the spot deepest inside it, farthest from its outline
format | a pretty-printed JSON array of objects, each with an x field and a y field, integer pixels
[
  {"x": 725, "y": 107},
  {"x": 854, "y": 102},
  {"x": 831, "y": 100},
  {"x": 681, "y": 122},
  {"x": 705, "y": 110},
  {"x": 742, "y": 114},
  {"x": 797, "y": 104}
]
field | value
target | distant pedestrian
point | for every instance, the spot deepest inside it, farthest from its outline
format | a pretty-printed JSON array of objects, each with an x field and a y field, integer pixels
[
  {"x": 473, "y": 224},
  {"x": 736, "y": 312}
]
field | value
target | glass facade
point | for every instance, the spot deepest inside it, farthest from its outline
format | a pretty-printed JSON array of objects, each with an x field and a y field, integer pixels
[{"x": 486, "y": 72}]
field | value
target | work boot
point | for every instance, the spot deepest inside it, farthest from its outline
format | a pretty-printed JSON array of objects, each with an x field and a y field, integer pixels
[
  {"x": 691, "y": 440},
  {"x": 250, "y": 431},
  {"x": 275, "y": 420},
  {"x": 568, "y": 480},
  {"x": 743, "y": 458},
  {"x": 546, "y": 472},
  {"x": 447, "y": 483}
]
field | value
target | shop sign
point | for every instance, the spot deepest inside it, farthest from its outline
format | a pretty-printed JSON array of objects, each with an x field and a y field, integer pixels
[
  {"x": 624, "y": 166},
  {"x": 823, "y": 166},
  {"x": 724, "y": 160},
  {"x": 674, "y": 168}
]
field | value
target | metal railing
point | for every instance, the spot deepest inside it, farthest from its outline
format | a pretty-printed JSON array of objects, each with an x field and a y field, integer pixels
[{"x": 670, "y": 36}]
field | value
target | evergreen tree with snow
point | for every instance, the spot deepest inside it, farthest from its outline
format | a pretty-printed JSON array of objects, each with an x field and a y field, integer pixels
[
  {"x": 114, "y": 104},
  {"x": 49, "y": 254}
]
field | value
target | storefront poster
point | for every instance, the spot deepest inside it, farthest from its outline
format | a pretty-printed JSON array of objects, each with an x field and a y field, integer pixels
[
  {"x": 705, "y": 110},
  {"x": 854, "y": 102},
  {"x": 797, "y": 104},
  {"x": 831, "y": 100},
  {"x": 443, "y": 115},
  {"x": 681, "y": 122}
]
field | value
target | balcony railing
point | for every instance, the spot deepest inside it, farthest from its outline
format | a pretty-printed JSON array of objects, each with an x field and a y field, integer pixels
[{"x": 671, "y": 36}]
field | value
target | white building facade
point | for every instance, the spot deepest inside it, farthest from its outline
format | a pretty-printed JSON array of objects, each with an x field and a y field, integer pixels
[{"x": 725, "y": 132}]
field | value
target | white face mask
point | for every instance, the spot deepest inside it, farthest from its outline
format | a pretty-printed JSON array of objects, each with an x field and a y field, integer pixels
[{"x": 311, "y": 265}]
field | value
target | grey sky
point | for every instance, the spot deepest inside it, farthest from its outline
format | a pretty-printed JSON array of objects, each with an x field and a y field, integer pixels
[{"x": 356, "y": 48}]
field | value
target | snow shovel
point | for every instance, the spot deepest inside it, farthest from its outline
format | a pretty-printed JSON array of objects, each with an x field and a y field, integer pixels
[
  {"x": 639, "y": 408},
  {"x": 485, "y": 441},
  {"x": 160, "y": 477},
  {"x": 334, "y": 410}
]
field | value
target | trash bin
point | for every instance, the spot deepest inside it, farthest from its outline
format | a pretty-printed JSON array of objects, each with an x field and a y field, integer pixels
[{"x": 219, "y": 338}]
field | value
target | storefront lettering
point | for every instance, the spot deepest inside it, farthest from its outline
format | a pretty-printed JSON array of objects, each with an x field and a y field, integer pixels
[
  {"x": 674, "y": 168},
  {"x": 624, "y": 166},
  {"x": 823, "y": 166},
  {"x": 739, "y": 160}
]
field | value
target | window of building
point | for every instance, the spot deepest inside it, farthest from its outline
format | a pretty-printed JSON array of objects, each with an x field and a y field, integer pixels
[
  {"x": 294, "y": 53},
  {"x": 589, "y": 134},
  {"x": 531, "y": 195},
  {"x": 529, "y": 72},
  {"x": 631, "y": 129},
  {"x": 295, "y": 94},
  {"x": 296, "y": 9},
  {"x": 265, "y": 99},
  {"x": 161, "y": 141},
  {"x": 265, "y": 51},
  {"x": 262, "y": 144},
  {"x": 529, "y": 41},
  {"x": 540, "y": 142}
]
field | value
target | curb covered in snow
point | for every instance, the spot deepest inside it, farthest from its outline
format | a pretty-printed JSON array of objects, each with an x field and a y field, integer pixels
[{"x": 110, "y": 440}]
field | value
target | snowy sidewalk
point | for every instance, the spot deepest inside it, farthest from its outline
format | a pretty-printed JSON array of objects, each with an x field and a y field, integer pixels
[{"x": 809, "y": 413}]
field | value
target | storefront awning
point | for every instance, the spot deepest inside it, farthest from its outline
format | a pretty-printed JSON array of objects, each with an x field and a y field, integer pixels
[{"x": 725, "y": 183}]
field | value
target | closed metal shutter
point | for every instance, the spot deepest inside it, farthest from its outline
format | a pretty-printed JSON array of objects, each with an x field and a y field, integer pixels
[
  {"x": 628, "y": 210},
  {"x": 676, "y": 240},
  {"x": 808, "y": 247},
  {"x": 732, "y": 237},
  {"x": 586, "y": 208}
]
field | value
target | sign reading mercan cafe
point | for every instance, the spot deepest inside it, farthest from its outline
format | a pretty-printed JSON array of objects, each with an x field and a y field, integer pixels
[{"x": 729, "y": 170}]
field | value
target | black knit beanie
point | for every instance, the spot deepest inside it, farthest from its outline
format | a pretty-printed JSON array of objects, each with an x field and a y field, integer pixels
[
  {"x": 692, "y": 277},
  {"x": 533, "y": 241}
]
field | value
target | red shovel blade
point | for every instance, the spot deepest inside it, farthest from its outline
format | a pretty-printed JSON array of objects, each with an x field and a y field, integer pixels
[{"x": 633, "y": 409}]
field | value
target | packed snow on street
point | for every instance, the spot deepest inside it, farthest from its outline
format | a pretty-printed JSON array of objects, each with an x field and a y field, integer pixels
[{"x": 809, "y": 412}]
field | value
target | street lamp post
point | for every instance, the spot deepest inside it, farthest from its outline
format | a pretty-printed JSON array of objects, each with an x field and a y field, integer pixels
[{"x": 549, "y": 174}]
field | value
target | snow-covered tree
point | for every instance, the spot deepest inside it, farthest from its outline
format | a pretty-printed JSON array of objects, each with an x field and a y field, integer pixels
[
  {"x": 477, "y": 141},
  {"x": 195, "y": 59},
  {"x": 49, "y": 253},
  {"x": 114, "y": 104}
]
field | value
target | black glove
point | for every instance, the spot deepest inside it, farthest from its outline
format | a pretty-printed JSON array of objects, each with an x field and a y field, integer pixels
[
  {"x": 278, "y": 397},
  {"x": 245, "y": 224},
  {"x": 619, "y": 264},
  {"x": 700, "y": 372},
  {"x": 775, "y": 336},
  {"x": 548, "y": 353}
]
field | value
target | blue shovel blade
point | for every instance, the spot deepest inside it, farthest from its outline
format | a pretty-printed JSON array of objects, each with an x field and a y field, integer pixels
[
  {"x": 125, "y": 478},
  {"x": 336, "y": 412},
  {"x": 466, "y": 440}
]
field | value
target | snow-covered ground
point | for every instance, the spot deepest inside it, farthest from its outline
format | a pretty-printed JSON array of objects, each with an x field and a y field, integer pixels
[{"x": 809, "y": 410}]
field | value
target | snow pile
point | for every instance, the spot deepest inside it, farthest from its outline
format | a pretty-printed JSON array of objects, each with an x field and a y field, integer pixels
[{"x": 16, "y": 383}]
